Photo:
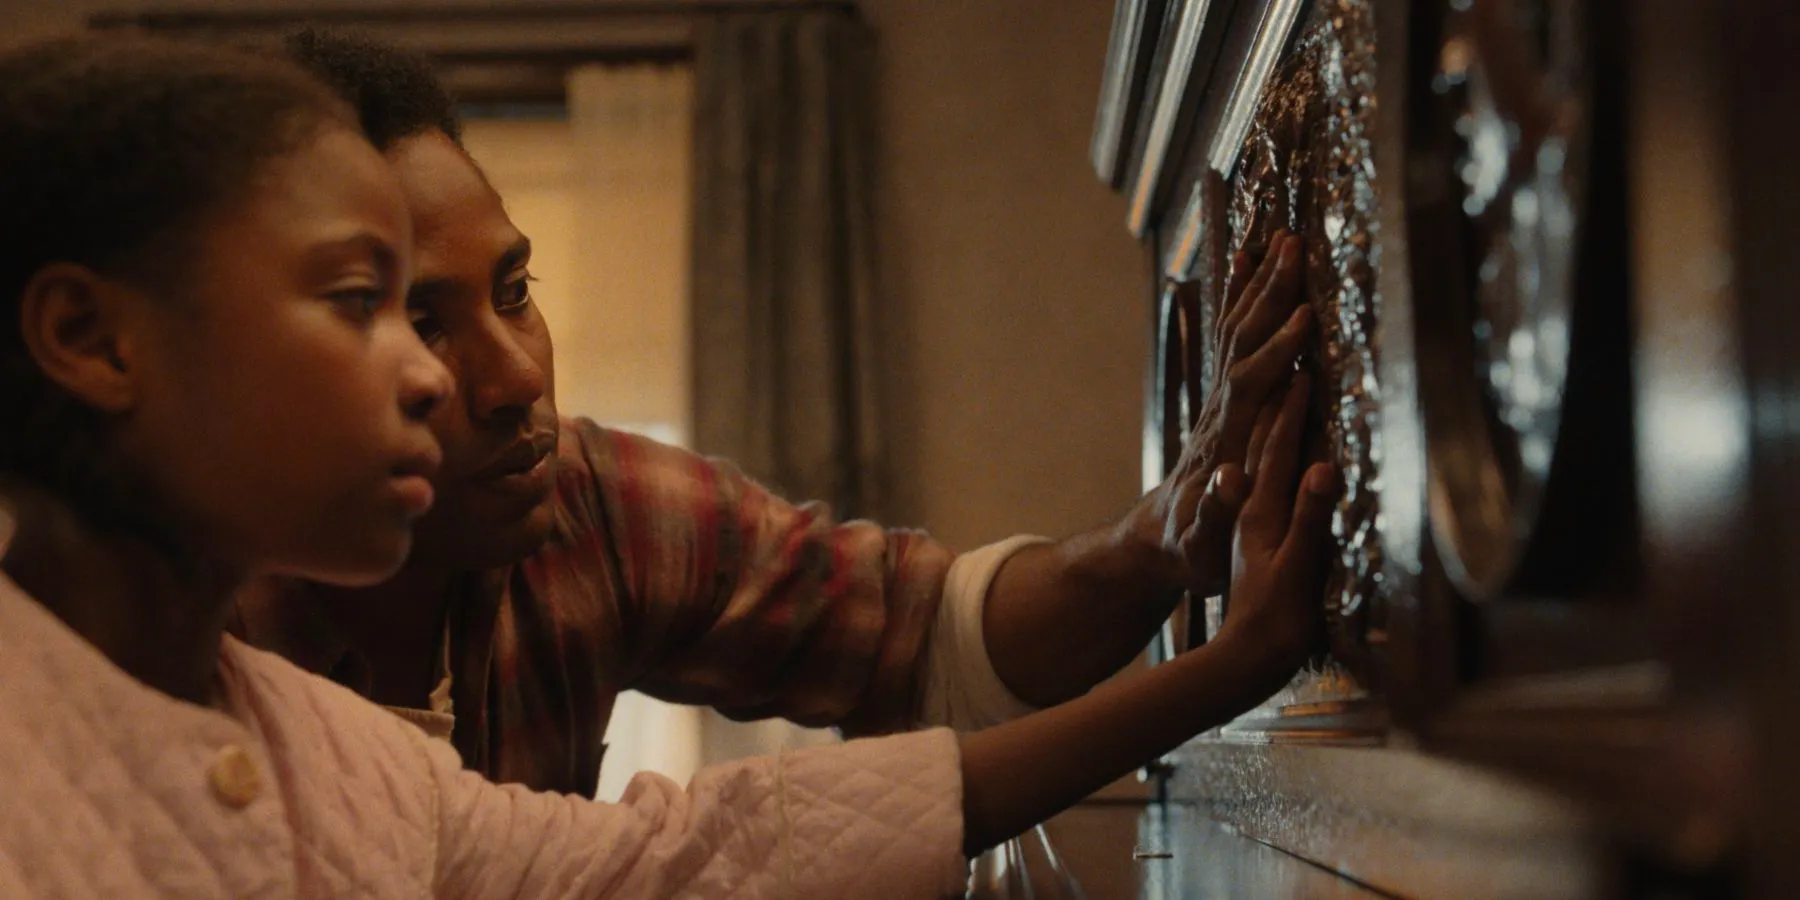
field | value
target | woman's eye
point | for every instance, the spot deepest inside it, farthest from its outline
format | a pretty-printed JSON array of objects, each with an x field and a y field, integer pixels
[
  {"x": 514, "y": 294},
  {"x": 427, "y": 325}
]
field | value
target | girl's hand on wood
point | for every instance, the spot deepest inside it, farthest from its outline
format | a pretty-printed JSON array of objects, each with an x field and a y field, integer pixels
[{"x": 1282, "y": 538}]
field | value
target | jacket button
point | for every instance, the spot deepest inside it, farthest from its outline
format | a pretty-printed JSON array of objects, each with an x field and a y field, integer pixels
[{"x": 235, "y": 778}]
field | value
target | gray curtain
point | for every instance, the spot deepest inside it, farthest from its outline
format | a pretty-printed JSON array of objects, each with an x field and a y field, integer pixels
[
  {"x": 783, "y": 282},
  {"x": 782, "y": 275}
]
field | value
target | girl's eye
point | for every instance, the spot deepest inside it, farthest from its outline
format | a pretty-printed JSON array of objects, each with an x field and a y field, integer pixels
[
  {"x": 361, "y": 302},
  {"x": 514, "y": 295}
]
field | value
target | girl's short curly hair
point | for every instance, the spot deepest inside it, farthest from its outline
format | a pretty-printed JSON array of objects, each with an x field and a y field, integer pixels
[{"x": 115, "y": 150}]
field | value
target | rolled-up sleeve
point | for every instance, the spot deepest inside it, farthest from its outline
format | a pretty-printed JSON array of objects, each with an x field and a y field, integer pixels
[{"x": 962, "y": 689}]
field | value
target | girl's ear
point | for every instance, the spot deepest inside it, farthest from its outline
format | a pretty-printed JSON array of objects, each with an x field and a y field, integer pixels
[{"x": 75, "y": 327}]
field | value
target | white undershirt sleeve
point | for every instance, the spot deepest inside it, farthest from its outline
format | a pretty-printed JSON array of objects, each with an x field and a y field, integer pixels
[{"x": 962, "y": 690}]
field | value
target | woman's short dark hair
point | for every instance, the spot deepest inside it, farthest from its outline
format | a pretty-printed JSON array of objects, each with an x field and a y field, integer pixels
[
  {"x": 113, "y": 149},
  {"x": 395, "y": 93}
]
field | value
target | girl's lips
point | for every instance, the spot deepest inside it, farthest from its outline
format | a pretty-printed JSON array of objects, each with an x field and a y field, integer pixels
[{"x": 414, "y": 493}]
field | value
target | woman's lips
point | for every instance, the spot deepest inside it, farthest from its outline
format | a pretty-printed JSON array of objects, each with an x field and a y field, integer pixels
[
  {"x": 532, "y": 480},
  {"x": 522, "y": 472},
  {"x": 518, "y": 458}
]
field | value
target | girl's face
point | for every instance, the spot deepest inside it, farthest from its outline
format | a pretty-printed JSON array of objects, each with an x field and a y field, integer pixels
[{"x": 281, "y": 391}]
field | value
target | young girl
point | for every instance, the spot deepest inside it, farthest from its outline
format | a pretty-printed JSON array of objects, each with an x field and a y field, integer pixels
[{"x": 207, "y": 375}]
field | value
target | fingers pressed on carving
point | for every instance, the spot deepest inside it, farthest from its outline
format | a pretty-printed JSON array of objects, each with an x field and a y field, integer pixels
[
  {"x": 1207, "y": 542},
  {"x": 1267, "y": 309},
  {"x": 1309, "y": 534},
  {"x": 1259, "y": 433},
  {"x": 1250, "y": 380},
  {"x": 1259, "y": 281},
  {"x": 1273, "y": 494},
  {"x": 1243, "y": 407},
  {"x": 1281, "y": 453},
  {"x": 1280, "y": 352},
  {"x": 1253, "y": 287},
  {"x": 1241, "y": 272},
  {"x": 1189, "y": 489}
]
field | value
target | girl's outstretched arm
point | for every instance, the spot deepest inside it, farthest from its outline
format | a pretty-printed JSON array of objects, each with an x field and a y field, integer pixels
[
  {"x": 1022, "y": 772},
  {"x": 880, "y": 817}
]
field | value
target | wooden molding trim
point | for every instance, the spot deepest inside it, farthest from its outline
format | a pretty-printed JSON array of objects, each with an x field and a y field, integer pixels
[
  {"x": 1130, "y": 53},
  {"x": 1257, "y": 37},
  {"x": 1193, "y": 53}
]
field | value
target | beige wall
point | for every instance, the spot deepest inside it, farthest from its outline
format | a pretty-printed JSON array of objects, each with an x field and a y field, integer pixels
[
  {"x": 1015, "y": 318},
  {"x": 1014, "y": 321}
]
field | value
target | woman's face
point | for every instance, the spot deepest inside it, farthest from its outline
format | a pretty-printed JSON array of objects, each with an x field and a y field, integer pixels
[
  {"x": 472, "y": 303},
  {"x": 283, "y": 392}
]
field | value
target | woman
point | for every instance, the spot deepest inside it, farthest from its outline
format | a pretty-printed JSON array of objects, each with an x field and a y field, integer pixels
[{"x": 207, "y": 375}]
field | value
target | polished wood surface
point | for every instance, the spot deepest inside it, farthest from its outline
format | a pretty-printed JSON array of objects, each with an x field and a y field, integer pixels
[
  {"x": 1185, "y": 855},
  {"x": 1405, "y": 823}
]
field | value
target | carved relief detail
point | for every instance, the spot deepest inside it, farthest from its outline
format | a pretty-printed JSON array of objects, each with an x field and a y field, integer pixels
[{"x": 1308, "y": 166}]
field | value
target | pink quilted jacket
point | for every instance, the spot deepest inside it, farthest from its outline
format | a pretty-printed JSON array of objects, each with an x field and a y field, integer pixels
[{"x": 110, "y": 789}]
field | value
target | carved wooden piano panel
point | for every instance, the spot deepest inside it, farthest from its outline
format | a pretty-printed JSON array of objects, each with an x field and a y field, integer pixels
[{"x": 1533, "y": 377}]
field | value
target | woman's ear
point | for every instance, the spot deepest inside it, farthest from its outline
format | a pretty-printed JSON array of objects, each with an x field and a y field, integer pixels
[{"x": 75, "y": 327}]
